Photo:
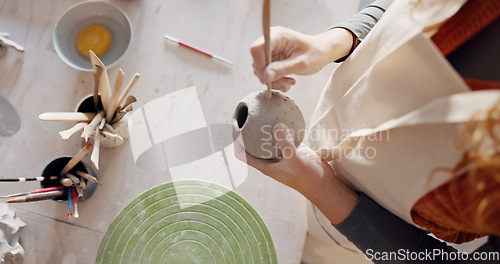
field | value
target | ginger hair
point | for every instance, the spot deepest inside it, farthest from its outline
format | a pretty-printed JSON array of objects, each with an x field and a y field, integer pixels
[{"x": 480, "y": 138}]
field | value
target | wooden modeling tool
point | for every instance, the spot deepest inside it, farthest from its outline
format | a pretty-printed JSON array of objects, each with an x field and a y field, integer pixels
[
  {"x": 97, "y": 81},
  {"x": 66, "y": 182},
  {"x": 266, "y": 26},
  {"x": 73, "y": 161},
  {"x": 94, "y": 157},
  {"x": 115, "y": 95},
  {"x": 125, "y": 92},
  {"x": 69, "y": 132},
  {"x": 73, "y": 178},
  {"x": 104, "y": 89},
  {"x": 90, "y": 127},
  {"x": 67, "y": 116},
  {"x": 88, "y": 177}
]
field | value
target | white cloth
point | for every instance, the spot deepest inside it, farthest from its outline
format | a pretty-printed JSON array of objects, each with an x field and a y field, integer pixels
[{"x": 391, "y": 113}]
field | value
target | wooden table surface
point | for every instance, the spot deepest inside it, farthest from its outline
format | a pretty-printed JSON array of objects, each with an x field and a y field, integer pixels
[{"x": 38, "y": 81}]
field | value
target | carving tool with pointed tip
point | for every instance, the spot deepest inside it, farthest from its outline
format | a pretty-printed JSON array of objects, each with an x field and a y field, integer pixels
[{"x": 208, "y": 54}]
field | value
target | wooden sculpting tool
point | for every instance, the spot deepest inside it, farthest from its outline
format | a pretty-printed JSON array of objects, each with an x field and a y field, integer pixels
[
  {"x": 104, "y": 89},
  {"x": 88, "y": 177},
  {"x": 109, "y": 134},
  {"x": 65, "y": 134},
  {"x": 115, "y": 95},
  {"x": 97, "y": 82},
  {"x": 109, "y": 128},
  {"x": 266, "y": 26},
  {"x": 37, "y": 197},
  {"x": 94, "y": 157},
  {"x": 89, "y": 128},
  {"x": 73, "y": 178},
  {"x": 73, "y": 161},
  {"x": 48, "y": 189},
  {"x": 66, "y": 182},
  {"x": 67, "y": 116},
  {"x": 125, "y": 92}
]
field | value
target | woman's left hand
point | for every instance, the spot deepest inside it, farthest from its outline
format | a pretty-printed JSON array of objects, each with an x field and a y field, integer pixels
[{"x": 303, "y": 170}]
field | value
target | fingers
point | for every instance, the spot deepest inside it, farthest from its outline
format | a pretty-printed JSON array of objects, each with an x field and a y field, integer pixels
[
  {"x": 284, "y": 139},
  {"x": 241, "y": 154},
  {"x": 284, "y": 84},
  {"x": 279, "y": 69},
  {"x": 259, "y": 57},
  {"x": 282, "y": 45}
]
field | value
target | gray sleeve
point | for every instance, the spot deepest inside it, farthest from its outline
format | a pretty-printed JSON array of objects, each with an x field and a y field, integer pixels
[
  {"x": 361, "y": 23},
  {"x": 375, "y": 230}
]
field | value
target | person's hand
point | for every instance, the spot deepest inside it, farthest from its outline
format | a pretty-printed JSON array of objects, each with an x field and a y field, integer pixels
[
  {"x": 303, "y": 170},
  {"x": 296, "y": 53}
]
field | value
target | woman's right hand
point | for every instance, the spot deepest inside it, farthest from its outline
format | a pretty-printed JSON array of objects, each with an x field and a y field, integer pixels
[{"x": 296, "y": 53}]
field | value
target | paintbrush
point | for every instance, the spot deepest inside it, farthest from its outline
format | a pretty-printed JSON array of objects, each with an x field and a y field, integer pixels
[
  {"x": 40, "y": 178},
  {"x": 70, "y": 202},
  {"x": 48, "y": 189},
  {"x": 37, "y": 197}
]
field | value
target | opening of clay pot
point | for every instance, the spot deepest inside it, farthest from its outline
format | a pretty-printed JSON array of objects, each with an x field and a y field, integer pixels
[
  {"x": 87, "y": 104},
  {"x": 241, "y": 115}
]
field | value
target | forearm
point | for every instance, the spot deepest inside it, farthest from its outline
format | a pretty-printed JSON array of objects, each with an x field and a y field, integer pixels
[
  {"x": 375, "y": 230},
  {"x": 360, "y": 24},
  {"x": 334, "y": 199},
  {"x": 335, "y": 44}
]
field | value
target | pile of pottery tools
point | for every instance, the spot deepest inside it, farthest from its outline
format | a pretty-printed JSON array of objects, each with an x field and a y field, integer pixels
[
  {"x": 65, "y": 183},
  {"x": 102, "y": 120}
]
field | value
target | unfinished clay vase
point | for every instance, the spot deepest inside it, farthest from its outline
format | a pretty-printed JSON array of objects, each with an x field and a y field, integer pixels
[{"x": 255, "y": 117}]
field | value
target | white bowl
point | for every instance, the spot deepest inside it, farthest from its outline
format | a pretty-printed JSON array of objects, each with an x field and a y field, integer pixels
[{"x": 84, "y": 14}]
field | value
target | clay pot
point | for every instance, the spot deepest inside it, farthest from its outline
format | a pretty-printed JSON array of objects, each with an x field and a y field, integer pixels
[{"x": 255, "y": 117}]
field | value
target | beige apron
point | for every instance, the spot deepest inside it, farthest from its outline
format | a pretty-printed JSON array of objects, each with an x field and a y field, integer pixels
[{"x": 391, "y": 113}]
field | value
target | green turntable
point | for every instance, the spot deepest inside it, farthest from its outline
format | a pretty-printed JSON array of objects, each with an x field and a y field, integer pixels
[{"x": 188, "y": 221}]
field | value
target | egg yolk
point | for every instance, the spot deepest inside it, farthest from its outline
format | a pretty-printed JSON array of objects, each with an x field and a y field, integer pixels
[{"x": 96, "y": 38}]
